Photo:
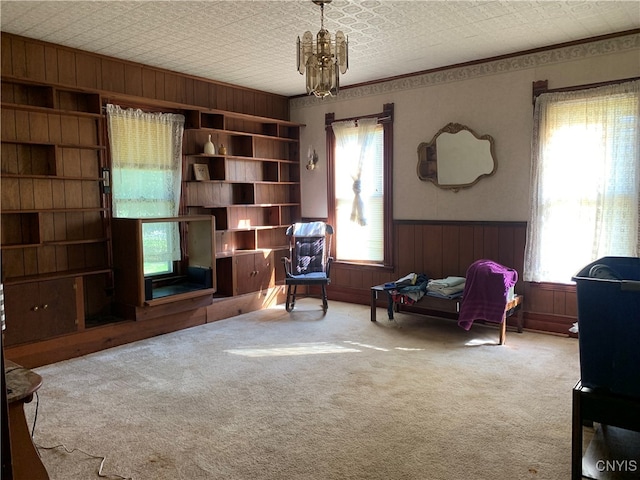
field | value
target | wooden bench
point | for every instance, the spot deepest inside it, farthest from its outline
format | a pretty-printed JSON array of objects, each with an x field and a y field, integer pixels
[{"x": 444, "y": 307}]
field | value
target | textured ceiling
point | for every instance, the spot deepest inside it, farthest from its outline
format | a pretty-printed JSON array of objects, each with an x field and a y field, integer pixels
[{"x": 252, "y": 42}]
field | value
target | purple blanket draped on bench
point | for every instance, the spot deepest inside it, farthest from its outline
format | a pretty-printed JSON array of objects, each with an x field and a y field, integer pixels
[{"x": 485, "y": 292}]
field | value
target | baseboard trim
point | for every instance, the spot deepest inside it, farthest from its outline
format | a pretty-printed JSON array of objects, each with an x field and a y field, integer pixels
[{"x": 99, "y": 338}]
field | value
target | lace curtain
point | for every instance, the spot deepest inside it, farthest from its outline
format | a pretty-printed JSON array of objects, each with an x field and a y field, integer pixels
[
  {"x": 363, "y": 132},
  {"x": 585, "y": 175},
  {"x": 146, "y": 173}
]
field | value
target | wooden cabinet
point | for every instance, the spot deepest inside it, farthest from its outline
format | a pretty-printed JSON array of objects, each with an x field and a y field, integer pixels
[
  {"x": 54, "y": 215},
  {"x": 39, "y": 310},
  {"x": 254, "y": 272},
  {"x": 252, "y": 189},
  {"x": 193, "y": 275}
]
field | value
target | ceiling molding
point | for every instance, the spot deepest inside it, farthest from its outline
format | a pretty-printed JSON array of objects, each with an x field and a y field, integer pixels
[{"x": 482, "y": 69}]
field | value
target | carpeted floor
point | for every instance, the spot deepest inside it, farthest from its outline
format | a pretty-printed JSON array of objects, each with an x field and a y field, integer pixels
[{"x": 272, "y": 395}]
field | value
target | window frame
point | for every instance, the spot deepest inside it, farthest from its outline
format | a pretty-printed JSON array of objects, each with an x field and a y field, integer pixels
[
  {"x": 541, "y": 87},
  {"x": 385, "y": 118}
]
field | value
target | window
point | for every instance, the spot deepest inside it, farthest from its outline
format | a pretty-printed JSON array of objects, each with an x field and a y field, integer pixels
[
  {"x": 360, "y": 187},
  {"x": 585, "y": 180},
  {"x": 146, "y": 174}
]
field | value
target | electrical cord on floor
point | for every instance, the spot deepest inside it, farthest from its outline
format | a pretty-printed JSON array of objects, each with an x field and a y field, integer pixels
[
  {"x": 66, "y": 449},
  {"x": 35, "y": 416},
  {"x": 103, "y": 459}
]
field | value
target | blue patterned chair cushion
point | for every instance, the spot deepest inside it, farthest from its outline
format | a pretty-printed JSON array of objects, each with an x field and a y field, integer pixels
[{"x": 309, "y": 255}]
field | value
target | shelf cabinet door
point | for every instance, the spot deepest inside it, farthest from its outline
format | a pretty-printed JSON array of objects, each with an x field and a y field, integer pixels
[
  {"x": 254, "y": 272},
  {"x": 40, "y": 310},
  {"x": 265, "y": 276},
  {"x": 278, "y": 266},
  {"x": 245, "y": 273}
]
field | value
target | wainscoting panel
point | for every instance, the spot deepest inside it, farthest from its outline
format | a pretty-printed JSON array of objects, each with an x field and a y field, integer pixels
[
  {"x": 440, "y": 249},
  {"x": 443, "y": 248}
]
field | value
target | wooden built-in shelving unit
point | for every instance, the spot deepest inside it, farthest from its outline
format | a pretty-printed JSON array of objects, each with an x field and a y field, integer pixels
[
  {"x": 253, "y": 191},
  {"x": 54, "y": 215},
  {"x": 57, "y": 239}
]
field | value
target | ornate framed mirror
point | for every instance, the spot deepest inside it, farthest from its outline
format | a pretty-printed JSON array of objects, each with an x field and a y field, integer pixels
[{"x": 456, "y": 157}]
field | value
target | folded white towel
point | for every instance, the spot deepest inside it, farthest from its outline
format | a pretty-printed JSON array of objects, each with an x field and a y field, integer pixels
[
  {"x": 447, "y": 282},
  {"x": 446, "y": 290}
]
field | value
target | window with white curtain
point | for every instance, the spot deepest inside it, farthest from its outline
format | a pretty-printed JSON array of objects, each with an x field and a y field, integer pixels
[
  {"x": 146, "y": 175},
  {"x": 359, "y": 190},
  {"x": 585, "y": 180}
]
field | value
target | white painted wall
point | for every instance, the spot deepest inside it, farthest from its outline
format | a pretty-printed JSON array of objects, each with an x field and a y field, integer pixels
[{"x": 493, "y": 98}]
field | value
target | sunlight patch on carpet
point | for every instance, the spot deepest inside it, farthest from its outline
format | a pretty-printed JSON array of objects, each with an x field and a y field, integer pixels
[
  {"x": 364, "y": 345},
  {"x": 477, "y": 342},
  {"x": 289, "y": 350}
]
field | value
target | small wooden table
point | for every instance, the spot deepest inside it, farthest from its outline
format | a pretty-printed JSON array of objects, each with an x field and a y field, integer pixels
[
  {"x": 449, "y": 307},
  {"x": 375, "y": 290},
  {"x": 22, "y": 383}
]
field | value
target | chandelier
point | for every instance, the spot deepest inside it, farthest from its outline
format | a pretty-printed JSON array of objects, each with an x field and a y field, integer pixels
[{"x": 323, "y": 61}]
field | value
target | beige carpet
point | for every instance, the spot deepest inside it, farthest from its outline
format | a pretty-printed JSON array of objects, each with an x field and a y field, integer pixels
[{"x": 272, "y": 395}]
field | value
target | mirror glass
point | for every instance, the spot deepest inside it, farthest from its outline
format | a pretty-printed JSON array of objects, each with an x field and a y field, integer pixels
[{"x": 456, "y": 157}]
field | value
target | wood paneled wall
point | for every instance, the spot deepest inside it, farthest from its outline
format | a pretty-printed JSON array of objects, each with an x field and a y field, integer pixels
[
  {"x": 551, "y": 307},
  {"x": 58, "y": 65},
  {"x": 440, "y": 249},
  {"x": 443, "y": 248}
]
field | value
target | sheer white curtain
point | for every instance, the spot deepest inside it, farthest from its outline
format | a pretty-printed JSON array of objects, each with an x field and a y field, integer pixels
[
  {"x": 146, "y": 173},
  {"x": 358, "y": 184},
  {"x": 585, "y": 180},
  {"x": 354, "y": 154}
]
